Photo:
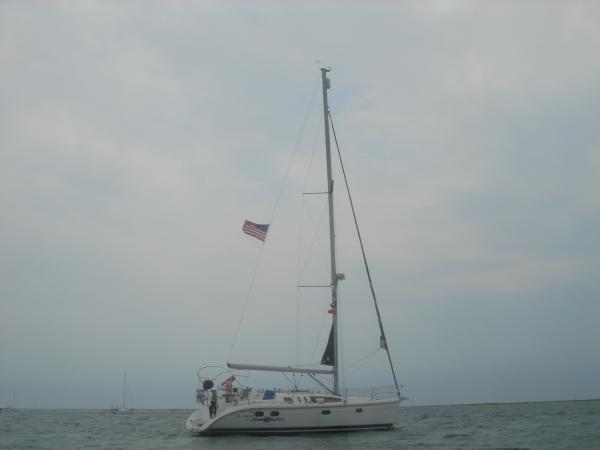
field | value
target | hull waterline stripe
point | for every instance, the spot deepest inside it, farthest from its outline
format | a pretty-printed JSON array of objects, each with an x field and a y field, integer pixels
[{"x": 295, "y": 429}]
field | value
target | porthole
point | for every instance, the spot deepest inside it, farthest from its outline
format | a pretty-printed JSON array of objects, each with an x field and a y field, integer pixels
[
  {"x": 358, "y": 410},
  {"x": 325, "y": 411},
  {"x": 274, "y": 413},
  {"x": 259, "y": 413}
]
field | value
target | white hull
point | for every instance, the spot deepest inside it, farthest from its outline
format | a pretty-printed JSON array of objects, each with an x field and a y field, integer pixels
[
  {"x": 123, "y": 409},
  {"x": 358, "y": 414}
]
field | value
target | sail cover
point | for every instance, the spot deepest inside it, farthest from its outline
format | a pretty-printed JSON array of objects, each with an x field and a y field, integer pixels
[{"x": 328, "y": 358}]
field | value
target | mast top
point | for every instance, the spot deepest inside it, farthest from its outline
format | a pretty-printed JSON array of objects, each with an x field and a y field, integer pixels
[{"x": 323, "y": 67}]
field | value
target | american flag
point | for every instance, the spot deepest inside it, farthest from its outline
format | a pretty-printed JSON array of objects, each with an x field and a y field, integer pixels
[{"x": 256, "y": 230}]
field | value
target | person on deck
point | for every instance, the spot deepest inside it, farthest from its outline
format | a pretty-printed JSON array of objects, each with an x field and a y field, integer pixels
[
  {"x": 228, "y": 386},
  {"x": 212, "y": 409}
]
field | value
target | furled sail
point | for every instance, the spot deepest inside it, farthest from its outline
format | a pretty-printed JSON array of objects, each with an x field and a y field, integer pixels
[{"x": 328, "y": 358}]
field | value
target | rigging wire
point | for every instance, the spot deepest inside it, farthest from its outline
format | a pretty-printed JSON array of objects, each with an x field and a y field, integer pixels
[
  {"x": 304, "y": 260},
  {"x": 287, "y": 173},
  {"x": 300, "y": 269},
  {"x": 313, "y": 241},
  {"x": 296, "y": 146},
  {"x": 243, "y": 312},
  {"x": 292, "y": 382},
  {"x": 358, "y": 364},
  {"x": 362, "y": 248},
  {"x": 310, "y": 314}
]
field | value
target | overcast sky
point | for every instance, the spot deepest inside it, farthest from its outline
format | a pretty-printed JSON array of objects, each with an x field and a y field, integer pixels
[{"x": 136, "y": 137}]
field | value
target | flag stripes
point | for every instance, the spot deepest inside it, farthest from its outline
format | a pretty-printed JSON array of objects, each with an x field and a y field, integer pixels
[{"x": 259, "y": 231}]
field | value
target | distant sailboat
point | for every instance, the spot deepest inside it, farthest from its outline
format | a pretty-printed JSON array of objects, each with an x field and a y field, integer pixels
[
  {"x": 13, "y": 406},
  {"x": 123, "y": 407}
]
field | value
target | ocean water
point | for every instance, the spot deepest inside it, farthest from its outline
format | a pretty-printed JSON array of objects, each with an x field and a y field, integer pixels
[{"x": 552, "y": 425}]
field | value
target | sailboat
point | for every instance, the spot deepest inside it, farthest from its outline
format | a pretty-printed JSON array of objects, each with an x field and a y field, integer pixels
[
  {"x": 230, "y": 407},
  {"x": 13, "y": 406},
  {"x": 122, "y": 407}
]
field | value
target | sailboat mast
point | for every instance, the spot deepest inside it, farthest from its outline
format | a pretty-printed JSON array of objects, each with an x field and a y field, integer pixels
[
  {"x": 124, "y": 388},
  {"x": 334, "y": 276}
]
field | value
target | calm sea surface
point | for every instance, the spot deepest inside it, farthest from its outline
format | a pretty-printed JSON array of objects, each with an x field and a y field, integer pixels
[{"x": 556, "y": 425}]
